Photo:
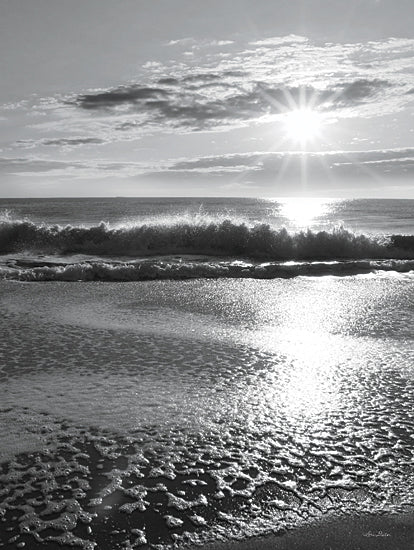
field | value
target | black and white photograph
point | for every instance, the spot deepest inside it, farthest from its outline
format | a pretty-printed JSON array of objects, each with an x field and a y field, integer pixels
[{"x": 207, "y": 274}]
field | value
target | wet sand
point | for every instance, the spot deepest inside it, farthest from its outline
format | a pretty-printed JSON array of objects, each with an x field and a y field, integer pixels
[
  {"x": 153, "y": 414},
  {"x": 385, "y": 532},
  {"x": 87, "y": 492}
]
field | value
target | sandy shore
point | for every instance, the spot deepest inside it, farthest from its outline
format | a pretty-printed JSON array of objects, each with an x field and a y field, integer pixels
[{"x": 387, "y": 532}]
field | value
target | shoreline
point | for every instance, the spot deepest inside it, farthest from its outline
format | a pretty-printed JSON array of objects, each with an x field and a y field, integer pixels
[{"x": 365, "y": 532}]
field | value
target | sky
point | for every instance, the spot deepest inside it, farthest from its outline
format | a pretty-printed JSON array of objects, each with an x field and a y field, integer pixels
[{"x": 216, "y": 98}]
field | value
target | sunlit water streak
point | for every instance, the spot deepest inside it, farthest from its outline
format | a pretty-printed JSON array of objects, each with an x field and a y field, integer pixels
[{"x": 304, "y": 213}]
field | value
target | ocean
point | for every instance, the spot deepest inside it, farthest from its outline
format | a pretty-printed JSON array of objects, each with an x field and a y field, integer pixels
[{"x": 178, "y": 372}]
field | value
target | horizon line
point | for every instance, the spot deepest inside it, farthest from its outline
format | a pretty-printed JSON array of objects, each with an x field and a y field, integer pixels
[{"x": 258, "y": 197}]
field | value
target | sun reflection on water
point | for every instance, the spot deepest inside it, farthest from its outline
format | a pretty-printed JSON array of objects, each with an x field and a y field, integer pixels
[
  {"x": 305, "y": 212},
  {"x": 311, "y": 385},
  {"x": 306, "y": 385}
]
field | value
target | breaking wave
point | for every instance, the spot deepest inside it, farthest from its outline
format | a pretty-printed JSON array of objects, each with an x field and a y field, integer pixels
[
  {"x": 206, "y": 237},
  {"x": 186, "y": 269},
  {"x": 185, "y": 248}
]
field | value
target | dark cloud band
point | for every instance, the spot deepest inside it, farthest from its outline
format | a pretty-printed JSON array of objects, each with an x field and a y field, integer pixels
[{"x": 190, "y": 103}]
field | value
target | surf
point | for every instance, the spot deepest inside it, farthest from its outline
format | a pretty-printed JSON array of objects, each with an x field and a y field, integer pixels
[{"x": 207, "y": 237}]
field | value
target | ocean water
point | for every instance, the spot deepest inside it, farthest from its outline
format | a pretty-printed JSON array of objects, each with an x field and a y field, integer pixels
[
  {"x": 180, "y": 371},
  {"x": 140, "y": 239}
]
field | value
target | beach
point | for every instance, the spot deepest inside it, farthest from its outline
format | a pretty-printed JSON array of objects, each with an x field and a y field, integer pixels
[
  {"x": 362, "y": 533},
  {"x": 206, "y": 275},
  {"x": 225, "y": 411},
  {"x": 158, "y": 411}
]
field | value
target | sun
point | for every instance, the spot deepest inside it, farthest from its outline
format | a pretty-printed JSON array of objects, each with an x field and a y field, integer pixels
[{"x": 302, "y": 125}]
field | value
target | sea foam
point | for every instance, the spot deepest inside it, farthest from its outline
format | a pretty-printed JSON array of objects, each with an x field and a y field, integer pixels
[{"x": 179, "y": 269}]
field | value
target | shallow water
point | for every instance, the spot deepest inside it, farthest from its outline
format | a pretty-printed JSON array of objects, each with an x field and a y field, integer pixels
[{"x": 166, "y": 412}]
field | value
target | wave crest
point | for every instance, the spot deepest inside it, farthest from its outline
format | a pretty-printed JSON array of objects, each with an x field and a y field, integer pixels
[
  {"x": 213, "y": 238},
  {"x": 156, "y": 269}
]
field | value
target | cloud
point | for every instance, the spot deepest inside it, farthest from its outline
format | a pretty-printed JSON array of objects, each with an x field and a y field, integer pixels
[
  {"x": 199, "y": 43},
  {"x": 222, "y": 89},
  {"x": 15, "y": 165},
  {"x": 72, "y": 142},
  {"x": 332, "y": 158},
  {"x": 221, "y": 42},
  {"x": 212, "y": 100},
  {"x": 359, "y": 90},
  {"x": 262, "y": 167},
  {"x": 263, "y": 164},
  {"x": 277, "y": 41},
  {"x": 59, "y": 142},
  {"x": 85, "y": 169},
  {"x": 168, "y": 81},
  {"x": 279, "y": 173},
  {"x": 179, "y": 41},
  {"x": 122, "y": 95}
]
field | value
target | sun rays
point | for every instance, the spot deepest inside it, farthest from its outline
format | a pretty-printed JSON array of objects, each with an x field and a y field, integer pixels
[{"x": 305, "y": 126}]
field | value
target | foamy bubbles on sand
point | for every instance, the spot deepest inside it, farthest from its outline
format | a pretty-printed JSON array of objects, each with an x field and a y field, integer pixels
[{"x": 94, "y": 487}]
